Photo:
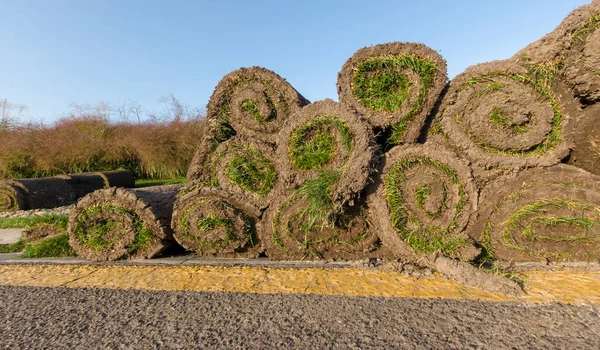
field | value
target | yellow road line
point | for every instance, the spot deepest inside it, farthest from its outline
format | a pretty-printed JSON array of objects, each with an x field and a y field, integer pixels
[{"x": 540, "y": 286}]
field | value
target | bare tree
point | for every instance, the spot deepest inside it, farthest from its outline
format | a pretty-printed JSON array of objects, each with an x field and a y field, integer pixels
[{"x": 10, "y": 113}]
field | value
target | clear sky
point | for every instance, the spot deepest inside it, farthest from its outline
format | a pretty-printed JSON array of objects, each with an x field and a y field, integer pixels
[{"x": 56, "y": 52}]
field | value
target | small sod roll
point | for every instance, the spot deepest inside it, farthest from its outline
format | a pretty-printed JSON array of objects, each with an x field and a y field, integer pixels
[
  {"x": 35, "y": 193},
  {"x": 118, "y": 223},
  {"x": 542, "y": 214},
  {"x": 393, "y": 85},
  {"x": 214, "y": 222},
  {"x": 500, "y": 116},
  {"x": 424, "y": 199},
  {"x": 325, "y": 140}
]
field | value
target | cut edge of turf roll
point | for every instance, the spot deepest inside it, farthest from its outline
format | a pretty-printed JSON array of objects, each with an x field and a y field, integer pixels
[
  {"x": 245, "y": 167},
  {"x": 291, "y": 230},
  {"x": 255, "y": 102},
  {"x": 527, "y": 132},
  {"x": 542, "y": 214},
  {"x": 12, "y": 196},
  {"x": 325, "y": 140},
  {"x": 214, "y": 222},
  {"x": 35, "y": 193},
  {"x": 118, "y": 223},
  {"x": 422, "y": 202},
  {"x": 573, "y": 47},
  {"x": 393, "y": 85}
]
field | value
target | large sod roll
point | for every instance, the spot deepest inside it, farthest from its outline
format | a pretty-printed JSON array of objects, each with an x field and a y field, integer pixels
[
  {"x": 254, "y": 102},
  {"x": 574, "y": 49},
  {"x": 423, "y": 202},
  {"x": 394, "y": 84},
  {"x": 245, "y": 167},
  {"x": 547, "y": 214},
  {"x": 291, "y": 230},
  {"x": 84, "y": 183},
  {"x": 324, "y": 140},
  {"x": 36, "y": 193},
  {"x": 501, "y": 117},
  {"x": 118, "y": 223},
  {"x": 213, "y": 222}
]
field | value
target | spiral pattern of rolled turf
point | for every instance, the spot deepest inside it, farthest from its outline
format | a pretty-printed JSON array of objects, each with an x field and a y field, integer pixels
[
  {"x": 542, "y": 214},
  {"x": 254, "y": 102},
  {"x": 35, "y": 193},
  {"x": 292, "y": 228},
  {"x": 394, "y": 84},
  {"x": 245, "y": 167},
  {"x": 119, "y": 223},
  {"x": 213, "y": 222},
  {"x": 325, "y": 141},
  {"x": 424, "y": 202},
  {"x": 499, "y": 116}
]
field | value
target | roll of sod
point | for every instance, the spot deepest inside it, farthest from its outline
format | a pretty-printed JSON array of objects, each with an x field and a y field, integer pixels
[
  {"x": 294, "y": 229},
  {"x": 547, "y": 214},
  {"x": 213, "y": 222},
  {"x": 254, "y": 102},
  {"x": 244, "y": 167},
  {"x": 573, "y": 48},
  {"x": 394, "y": 84},
  {"x": 118, "y": 223},
  {"x": 501, "y": 117},
  {"x": 326, "y": 141},
  {"x": 35, "y": 193},
  {"x": 423, "y": 202}
]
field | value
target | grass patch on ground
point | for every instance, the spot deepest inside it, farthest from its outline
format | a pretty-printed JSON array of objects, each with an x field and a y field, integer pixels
[
  {"x": 31, "y": 221},
  {"x": 378, "y": 86},
  {"x": 151, "y": 182},
  {"x": 57, "y": 246},
  {"x": 313, "y": 144}
]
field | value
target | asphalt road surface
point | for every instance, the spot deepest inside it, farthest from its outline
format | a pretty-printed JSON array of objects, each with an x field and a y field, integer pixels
[{"x": 36, "y": 318}]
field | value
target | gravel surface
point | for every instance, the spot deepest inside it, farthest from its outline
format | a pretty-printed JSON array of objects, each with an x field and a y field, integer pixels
[
  {"x": 33, "y": 318},
  {"x": 26, "y": 213}
]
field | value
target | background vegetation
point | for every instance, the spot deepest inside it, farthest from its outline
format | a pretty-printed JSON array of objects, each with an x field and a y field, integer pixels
[{"x": 157, "y": 147}]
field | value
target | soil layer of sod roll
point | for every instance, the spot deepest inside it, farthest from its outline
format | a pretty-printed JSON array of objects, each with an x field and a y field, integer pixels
[
  {"x": 499, "y": 116},
  {"x": 542, "y": 214},
  {"x": 254, "y": 102},
  {"x": 294, "y": 229},
  {"x": 213, "y": 222},
  {"x": 423, "y": 202},
  {"x": 326, "y": 141},
  {"x": 245, "y": 167},
  {"x": 84, "y": 183},
  {"x": 35, "y": 193},
  {"x": 574, "y": 48},
  {"x": 395, "y": 84},
  {"x": 118, "y": 223}
]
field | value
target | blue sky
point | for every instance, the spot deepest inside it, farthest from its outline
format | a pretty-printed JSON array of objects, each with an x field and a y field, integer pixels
[{"x": 55, "y": 52}]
